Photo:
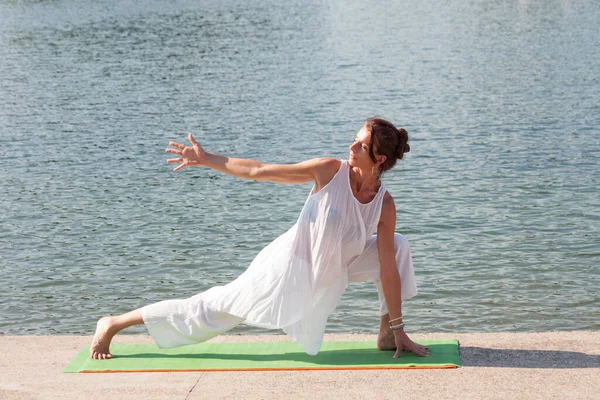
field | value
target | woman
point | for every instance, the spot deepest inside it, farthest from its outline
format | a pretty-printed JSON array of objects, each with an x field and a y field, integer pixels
[{"x": 296, "y": 282}]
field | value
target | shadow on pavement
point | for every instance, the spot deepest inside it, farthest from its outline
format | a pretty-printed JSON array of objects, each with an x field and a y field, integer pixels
[{"x": 514, "y": 358}]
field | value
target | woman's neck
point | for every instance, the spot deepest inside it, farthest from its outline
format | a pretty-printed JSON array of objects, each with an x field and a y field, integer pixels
[{"x": 364, "y": 180}]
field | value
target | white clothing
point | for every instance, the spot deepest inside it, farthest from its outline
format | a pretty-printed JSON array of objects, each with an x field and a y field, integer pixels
[{"x": 295, "y": 282}]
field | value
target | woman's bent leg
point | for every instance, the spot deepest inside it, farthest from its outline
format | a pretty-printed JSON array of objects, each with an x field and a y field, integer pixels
[{"x": 366, "y": 267}]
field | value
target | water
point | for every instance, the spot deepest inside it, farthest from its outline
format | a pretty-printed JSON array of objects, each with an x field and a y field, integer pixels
[{"x": 499, "y": 196}]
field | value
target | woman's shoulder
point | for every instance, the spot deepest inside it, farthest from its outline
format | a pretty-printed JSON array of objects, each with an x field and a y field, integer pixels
[
  {"x": 387, "y": 200},
  {"x": 325, "y": 171},
  {"x": 329, "y": 163},
  {"x": 328, "y": 167},
  {"x": 388, "y": 207}
]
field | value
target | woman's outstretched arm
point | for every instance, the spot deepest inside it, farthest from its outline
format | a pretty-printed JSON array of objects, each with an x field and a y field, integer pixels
[{"x": 320, "y": 170}]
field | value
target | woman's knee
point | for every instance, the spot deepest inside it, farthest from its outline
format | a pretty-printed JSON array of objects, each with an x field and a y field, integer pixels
[{"x": 400, "y": 243}]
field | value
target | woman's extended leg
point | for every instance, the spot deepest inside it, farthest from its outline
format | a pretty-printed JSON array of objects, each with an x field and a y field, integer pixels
[
  {"x": 107, "y": 328},
  {"x": 171, "y": 323}
]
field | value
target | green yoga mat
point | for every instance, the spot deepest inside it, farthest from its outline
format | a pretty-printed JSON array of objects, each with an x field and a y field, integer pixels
[{"x": 264, "y": 356}]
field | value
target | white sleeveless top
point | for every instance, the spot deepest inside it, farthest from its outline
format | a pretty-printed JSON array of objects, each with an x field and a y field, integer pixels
[{"x": 296, "y": 282}]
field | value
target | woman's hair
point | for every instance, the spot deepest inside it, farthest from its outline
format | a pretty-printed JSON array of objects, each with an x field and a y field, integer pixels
[{"x": 388, "y": 141}]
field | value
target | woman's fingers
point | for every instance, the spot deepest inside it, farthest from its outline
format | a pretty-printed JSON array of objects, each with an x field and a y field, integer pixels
[
  {"x": 412, "y": 347},
  {"x": 188, "y": 155},
  {"x": 415, "y": 348},
  {"x": 421, "y": 350},
  {"x": 175, "y": 144},
  {"x": 182, "y": 166}
]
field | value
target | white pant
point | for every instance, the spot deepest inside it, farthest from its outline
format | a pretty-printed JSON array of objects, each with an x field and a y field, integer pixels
[{"x": 179, "y": 322}]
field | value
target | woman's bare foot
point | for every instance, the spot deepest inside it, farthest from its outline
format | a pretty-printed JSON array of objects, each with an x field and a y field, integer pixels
[
  {"x": 385, "y": 340},
  {"x": 100, "y": 348}
]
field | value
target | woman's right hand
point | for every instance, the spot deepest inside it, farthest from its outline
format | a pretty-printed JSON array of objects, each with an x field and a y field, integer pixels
[
  {"x": 403, "y": 343},
  {"x": 191, "y": 156}
]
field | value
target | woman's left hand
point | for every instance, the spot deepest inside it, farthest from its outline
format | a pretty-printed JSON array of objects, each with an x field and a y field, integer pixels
[
  {"x": 190, "y": 156},
  {"x": 403, "y": 343}
]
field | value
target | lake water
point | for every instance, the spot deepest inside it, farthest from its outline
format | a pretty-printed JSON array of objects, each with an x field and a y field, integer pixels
[{"x": 499, "y": 196}]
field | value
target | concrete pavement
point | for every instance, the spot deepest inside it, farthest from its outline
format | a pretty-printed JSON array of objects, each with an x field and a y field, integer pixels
[{"x": 542, "y": 365}]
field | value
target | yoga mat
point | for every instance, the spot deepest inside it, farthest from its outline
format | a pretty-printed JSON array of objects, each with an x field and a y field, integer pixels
[{"x": 263, "y": 356}]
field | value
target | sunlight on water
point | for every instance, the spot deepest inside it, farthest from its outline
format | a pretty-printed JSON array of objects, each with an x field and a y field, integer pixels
[{"x": 498, "y": 196}]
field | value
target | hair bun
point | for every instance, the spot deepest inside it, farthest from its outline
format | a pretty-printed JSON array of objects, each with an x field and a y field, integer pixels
[
  {"x": 403, "y": 146},
  {"x": 401, "y": 150}
]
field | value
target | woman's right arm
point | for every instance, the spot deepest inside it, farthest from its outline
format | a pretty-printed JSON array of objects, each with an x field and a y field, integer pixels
[{"x": 320, "y": 170}]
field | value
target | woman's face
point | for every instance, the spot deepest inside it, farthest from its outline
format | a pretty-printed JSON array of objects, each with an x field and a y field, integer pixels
[{"x": 359, "y": 150}]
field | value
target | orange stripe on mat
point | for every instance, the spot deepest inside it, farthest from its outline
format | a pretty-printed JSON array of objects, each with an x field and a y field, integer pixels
[{"x": 87, "y": 371}]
